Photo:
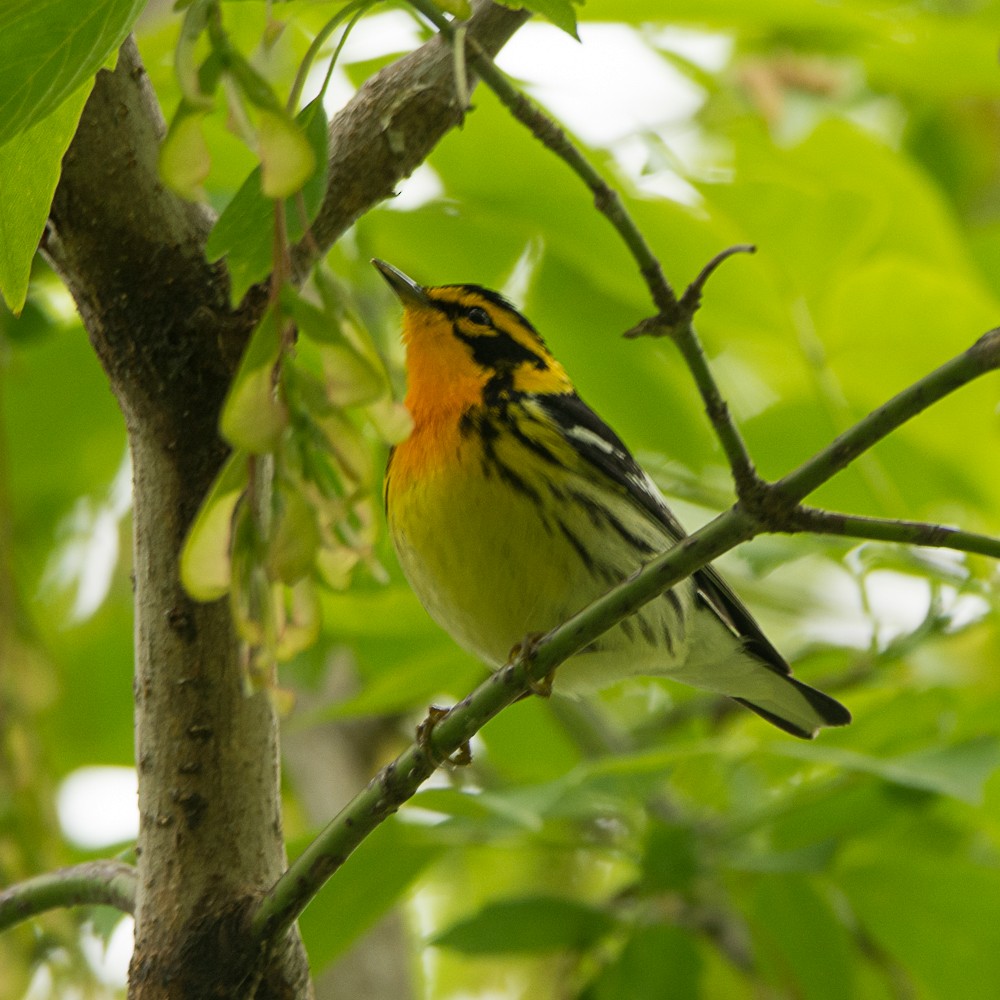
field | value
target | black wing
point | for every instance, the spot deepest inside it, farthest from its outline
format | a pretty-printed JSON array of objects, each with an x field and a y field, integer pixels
[{"x": 599, "y": 446}]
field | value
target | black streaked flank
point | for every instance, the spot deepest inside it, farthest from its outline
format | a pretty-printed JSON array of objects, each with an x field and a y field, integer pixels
[
  {"x": 668, "y": 637},
  {"x": 675, "y": 602},
  {"x": 511, "y": 478},
  {"x": 581, "y": 550},
  {"x": 569, "y": 412},
  {"x": 530, "y": 443},
  {"x": 647, "y": 630},
  {"x": 601, "y": 517}
]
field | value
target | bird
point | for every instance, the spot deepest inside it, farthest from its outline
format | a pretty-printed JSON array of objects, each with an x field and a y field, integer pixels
[{"x": 512, "y": 505}]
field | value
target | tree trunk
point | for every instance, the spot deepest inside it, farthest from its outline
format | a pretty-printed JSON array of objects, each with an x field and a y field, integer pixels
[{"x": 210, "y": 838}]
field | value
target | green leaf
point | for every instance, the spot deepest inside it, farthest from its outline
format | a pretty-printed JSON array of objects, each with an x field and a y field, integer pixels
[
  {"x": 244, "y": 232},
  {"x": 371, "y": 881},
  {"x": 960, "y": 771},
  {"x": 205, "y": 566},
  {"x": 656, "y": 962},
  {"x": 30, "y": 166},
  {"x": 287, "y": 158},
  {"x": 558, "y": 12},
  {"x": 349, "y": 378},
  {"x": 253, "y": 417},
  {"x": 527, "y": 924},
  {"x": 670, "y": 859},
  {"x": 295, "y": 538},
  {"x": 185, "y": 160},
  {"x": 800, "y": 938},
  {"x": 48, "y": 48},
  {"x": 462, "y": 9},
  {"x": 935, "y": 914}
]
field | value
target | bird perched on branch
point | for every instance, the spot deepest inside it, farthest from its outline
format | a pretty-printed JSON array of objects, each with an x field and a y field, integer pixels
[{"x": 512, "y": 505}]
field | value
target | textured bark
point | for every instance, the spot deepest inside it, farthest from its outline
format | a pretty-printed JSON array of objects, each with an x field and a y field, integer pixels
[
  {"x": 159, "y": 319},
  {"x": 210, "y": 824}
]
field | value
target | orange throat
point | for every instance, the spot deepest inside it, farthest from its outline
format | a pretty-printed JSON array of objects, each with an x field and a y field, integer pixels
[{"x": 443, "y": 382}]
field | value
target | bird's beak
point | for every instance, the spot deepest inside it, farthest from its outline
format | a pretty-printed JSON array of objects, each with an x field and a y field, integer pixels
[{"x": 409, "y": 292}]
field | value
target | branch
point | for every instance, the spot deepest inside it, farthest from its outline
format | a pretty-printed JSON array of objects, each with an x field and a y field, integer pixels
[
  {"x": 775, "y": 509},
  {"x": 935, "y": 536},
  {"x": 107, "y": 883}
]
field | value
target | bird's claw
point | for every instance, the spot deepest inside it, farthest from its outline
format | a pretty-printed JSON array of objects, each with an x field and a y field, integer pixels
[
  {"x": 525, "y": 650},
  {"x": 460, "y": 758}
]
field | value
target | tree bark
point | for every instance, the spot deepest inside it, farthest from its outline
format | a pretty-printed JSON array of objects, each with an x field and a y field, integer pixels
[{"x": 158, "y": 316}]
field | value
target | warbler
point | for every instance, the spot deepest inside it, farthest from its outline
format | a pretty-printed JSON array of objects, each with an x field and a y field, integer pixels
[{"x": 512, "y": 505}]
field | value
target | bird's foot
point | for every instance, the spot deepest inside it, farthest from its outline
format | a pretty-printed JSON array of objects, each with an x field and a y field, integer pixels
[
  {"x": 460, "y": 758},
  {"x": 525, "y": 650}
]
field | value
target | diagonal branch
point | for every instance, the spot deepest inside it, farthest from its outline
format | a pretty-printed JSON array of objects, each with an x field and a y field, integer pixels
[
  {"x": 398, "y": 781},
  {"x": 108, "y": 883},
  {"x": 535, "y": 660}
]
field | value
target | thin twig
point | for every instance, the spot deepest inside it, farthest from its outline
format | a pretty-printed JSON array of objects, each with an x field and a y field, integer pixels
[
  {"x": 691, "y": 299},
  {"x": 935, "y": 536},
  {"x": 109, "y": 883},
  {"x": 745, "y": 477}
]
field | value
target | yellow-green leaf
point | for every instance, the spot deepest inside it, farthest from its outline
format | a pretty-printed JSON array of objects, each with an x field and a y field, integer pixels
[
  {"x": 184, "y": 157},
  {"x": 253, "y": 416},
  {"x": 295, "y": 539},
  {"x": 349, "y": 448},
  {"x": 350, "y": 380},
  {"x": 336, "y": 566},
  {"x": 205, "y": 566},
  {"x": 391, "y": 418},
  {"x": 287, "y": 159},
  {"x": 460, "y": 8},
  {"x": 30, "y": 165},
  {"x": 299, "y": 616}
]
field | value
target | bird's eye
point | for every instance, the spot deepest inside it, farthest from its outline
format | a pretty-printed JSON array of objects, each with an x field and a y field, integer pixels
[{"x": 479, "y": 316}]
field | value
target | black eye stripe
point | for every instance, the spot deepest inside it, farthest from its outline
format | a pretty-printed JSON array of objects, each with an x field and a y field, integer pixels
[
  {"x": 498, "y": 350},
  {"x": 483, "y": 328}
]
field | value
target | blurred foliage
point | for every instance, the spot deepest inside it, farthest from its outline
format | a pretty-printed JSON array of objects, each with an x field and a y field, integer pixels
[{"x": 654, "y": 841}]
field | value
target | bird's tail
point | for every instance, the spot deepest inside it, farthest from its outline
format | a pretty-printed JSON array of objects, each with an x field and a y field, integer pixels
[
  {"x": 721, "y": 662},
  {"x": 796, "y": 707}
]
